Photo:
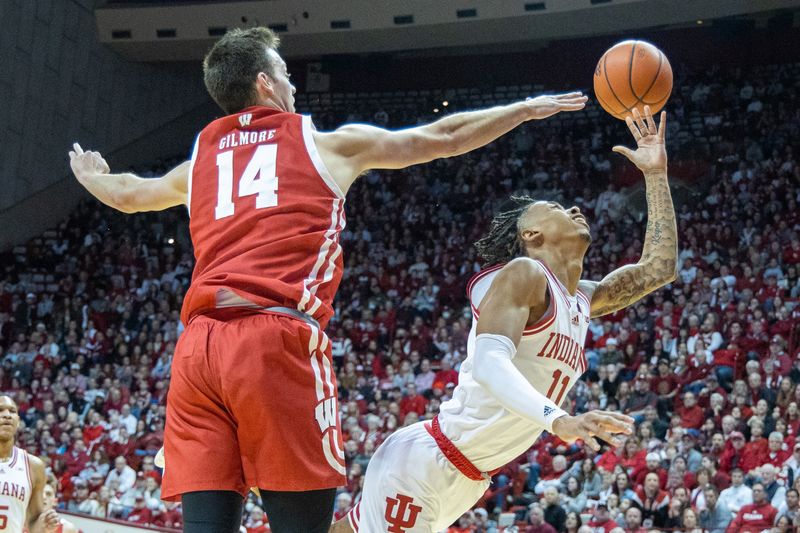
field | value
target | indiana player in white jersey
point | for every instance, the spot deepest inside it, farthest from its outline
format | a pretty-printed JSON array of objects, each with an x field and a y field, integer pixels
[
  {"x": 525, "y": 353},
  {"x": 22, "y": 480}
]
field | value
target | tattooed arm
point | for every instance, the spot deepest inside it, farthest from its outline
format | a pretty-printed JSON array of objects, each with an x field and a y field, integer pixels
[{"x": 659, "y": 262}]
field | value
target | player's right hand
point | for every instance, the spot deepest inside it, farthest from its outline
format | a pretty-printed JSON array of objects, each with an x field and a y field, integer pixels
[
  {"x": 549, "y": 104},
  {"x": 86, "y": 163},
  {"x": 603, "y": 424},
  {"x": 47, "y": 522}
]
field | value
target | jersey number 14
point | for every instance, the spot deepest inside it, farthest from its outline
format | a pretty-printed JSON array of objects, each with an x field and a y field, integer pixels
[{"x": 258, "y": 178}]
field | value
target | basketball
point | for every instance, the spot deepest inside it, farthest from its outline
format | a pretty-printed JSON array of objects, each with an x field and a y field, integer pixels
[{"x": 632, "y": 74}]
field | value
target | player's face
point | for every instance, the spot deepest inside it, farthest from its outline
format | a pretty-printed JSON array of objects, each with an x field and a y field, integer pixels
[
  {"x": 556, "y": 222},
  {"x": 282, "y": 88},
  {"x": 9, "y": 418},
  {"x": 49, "y": 497}
]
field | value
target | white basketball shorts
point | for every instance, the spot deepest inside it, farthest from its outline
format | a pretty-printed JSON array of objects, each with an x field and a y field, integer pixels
[{"x": 411, "y": 487}]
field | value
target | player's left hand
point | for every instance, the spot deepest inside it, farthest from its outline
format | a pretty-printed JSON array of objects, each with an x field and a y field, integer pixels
[
  {"x": 47, "y": 522},
  {"x": 549, "y": 104},
  {"x": 605, "y": 425},
  {"x": 651, "y": 153},
  {"x": 86, "y": 163}
]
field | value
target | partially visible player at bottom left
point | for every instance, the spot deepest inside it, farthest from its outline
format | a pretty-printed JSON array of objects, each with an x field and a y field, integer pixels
[
  {"x": 22, "y": 480},
  {"x": 50, "y": 500}
]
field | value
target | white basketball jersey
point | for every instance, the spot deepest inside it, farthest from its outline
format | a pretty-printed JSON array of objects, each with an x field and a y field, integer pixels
[
  {"x": 551, "y": 357},
  {"x": 15, "y": 491}
]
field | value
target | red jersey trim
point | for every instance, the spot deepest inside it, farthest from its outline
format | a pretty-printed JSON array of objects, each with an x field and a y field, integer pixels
[
  {"x": 354, "y": 517},
  {"x": 316, "y": 159},
  {"x": 191, "y": 171},
  {"x": 453, "y": 454},
  {"x": 555, "y": 280},
  {"x": 28, "y": 469},
  {"x": 14, "y": 457},
  {"x": 478, "y": 276}
]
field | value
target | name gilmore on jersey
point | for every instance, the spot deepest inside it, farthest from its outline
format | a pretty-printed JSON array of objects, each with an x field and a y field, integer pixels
[
  {"x": 562, "y": 348},
  {"x": 243, "y": 138}
]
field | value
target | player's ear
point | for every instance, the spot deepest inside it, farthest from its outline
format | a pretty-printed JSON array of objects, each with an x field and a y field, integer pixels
[
  {"x": 265, "y": 84},
  {"x": 532, "y": 236}
]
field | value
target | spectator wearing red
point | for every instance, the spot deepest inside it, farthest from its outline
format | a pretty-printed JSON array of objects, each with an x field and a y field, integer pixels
[
  {"x": 691, "y": 414},
  {"x": 140, "y": 514},
  {"x": 652, "y": 499},
  {"x": 601, "y": 520},
  {"x": 733, "y": 455},
  {"x": 652, "y": 465},
  {"x": 756, "y": 448},
  {"x": 446, "y": 374},
  {"x": 412, "y": 402},
  {"x": 755, "y": 517}
]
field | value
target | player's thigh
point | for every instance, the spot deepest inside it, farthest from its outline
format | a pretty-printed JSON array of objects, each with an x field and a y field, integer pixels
[
  {"x": 199, "y": 429},
  {"x": 299, "y": 512},
  {"x": 280, "y": 384},
  {"x": 410, "y": 486}
]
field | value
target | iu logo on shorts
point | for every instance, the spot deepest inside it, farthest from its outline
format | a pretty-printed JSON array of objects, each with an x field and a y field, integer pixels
[{"x": 405, "y": 516}]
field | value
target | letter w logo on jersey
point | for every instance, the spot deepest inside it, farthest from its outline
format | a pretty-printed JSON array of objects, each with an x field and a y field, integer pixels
[
  {"x": 245, "y": 119},
  {"x": 326, "y": 414},
  {"x": 399, "y": 522}
]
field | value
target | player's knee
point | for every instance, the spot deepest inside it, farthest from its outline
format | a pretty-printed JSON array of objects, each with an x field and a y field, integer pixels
[{"x": 342, "y": 526}]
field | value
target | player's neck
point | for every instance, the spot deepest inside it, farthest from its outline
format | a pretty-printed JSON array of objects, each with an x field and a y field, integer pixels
[
  {"x": 6, "y": 449},
  {"x": 567, "y": 267}
]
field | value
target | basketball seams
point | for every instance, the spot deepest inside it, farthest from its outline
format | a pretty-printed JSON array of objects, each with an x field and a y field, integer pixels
[
  {"x": 608, "y": 82},
  {"x": 655, "y": 78},
  {"x": 630, "y": 71}
]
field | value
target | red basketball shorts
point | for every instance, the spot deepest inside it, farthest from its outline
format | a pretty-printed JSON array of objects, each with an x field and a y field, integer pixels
[{"x": 252, "y": 403}]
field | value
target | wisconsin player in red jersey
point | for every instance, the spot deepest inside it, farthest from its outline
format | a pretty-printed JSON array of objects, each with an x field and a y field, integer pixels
[
  {"x": 253, "y": 398},
  {"x": 22, "y": 480}
]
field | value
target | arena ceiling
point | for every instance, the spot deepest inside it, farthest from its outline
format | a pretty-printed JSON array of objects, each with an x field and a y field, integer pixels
[{"x": 158, "y": 30}]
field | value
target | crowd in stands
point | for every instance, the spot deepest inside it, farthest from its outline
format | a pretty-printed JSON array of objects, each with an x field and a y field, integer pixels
[{"x": 89, "y": 317}]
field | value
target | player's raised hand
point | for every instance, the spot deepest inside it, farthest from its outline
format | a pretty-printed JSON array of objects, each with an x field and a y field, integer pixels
[
  {"x": 47, "y": 522},
  {"x": 603, "y": 424},
  {"x": 651, "y": 153},
  {"x": 549, "y": 104},
  {"x": 86, "y": 163}
]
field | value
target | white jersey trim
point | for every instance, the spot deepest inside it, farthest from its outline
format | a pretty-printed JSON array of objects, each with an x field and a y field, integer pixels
[
  {"x": 316, "y": 159},
  {"x": 189, "y": 179}
]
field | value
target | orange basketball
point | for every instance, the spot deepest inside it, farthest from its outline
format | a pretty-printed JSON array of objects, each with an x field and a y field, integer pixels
[{"x": 632, "y": 74}]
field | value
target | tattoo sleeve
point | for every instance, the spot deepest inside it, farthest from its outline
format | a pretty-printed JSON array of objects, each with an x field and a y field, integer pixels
[{"x": 658, "y": 264}]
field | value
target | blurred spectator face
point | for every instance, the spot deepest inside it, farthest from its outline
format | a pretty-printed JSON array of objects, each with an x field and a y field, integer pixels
[
  {"x": 792, "y": 499},
  {"x": 767, "y": 473},
  {"x": 775, "y": 441},
  {"x": 737, "y": 478},
  {"x": 633, "y": 518},
  {"x": 689, "y": 400},
  {"x": 536, "y": 515},
  {"x": 551, "y": 496},
  {"x": 651, "y": 483},
  {"x": 758, "y": 494},
  {"x": 120, "y": 463}
]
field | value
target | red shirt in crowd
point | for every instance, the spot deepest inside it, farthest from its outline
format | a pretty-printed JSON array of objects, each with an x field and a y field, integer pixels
[{"x": 753, "y": 518}]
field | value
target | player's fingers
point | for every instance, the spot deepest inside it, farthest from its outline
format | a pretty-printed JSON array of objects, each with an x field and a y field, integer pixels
[
  {"x": 612, "y": 440},
  {"x": 648, "y": 118},
  {"x": 72, "y": 155},
  {"x": 637, "y": 117},
  {"x": 572, "y": 107},
  {"x": 575, "y": 94},
  {"x": 77, "y": 148},
  {"x": 593, "y": 444},
  {"x": 627, "y": 152},
  {"x": 662, "y": 126},
  {"x": 634, "y": 128},
  {"x": 619, "y": 416}
]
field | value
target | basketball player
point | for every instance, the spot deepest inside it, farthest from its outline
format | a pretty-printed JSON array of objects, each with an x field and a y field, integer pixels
[
  {"x": 22, "y": 480},
  {"x": 50, "y": 502},
  {"x": 253, "y": 399},
  {"x": 525, "y": 353}
]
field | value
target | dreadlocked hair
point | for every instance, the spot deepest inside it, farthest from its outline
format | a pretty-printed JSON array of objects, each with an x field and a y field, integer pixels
[{"x": 502, "y": 243}]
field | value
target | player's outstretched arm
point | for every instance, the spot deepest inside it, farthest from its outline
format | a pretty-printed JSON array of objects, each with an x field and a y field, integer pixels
[
  {"x": 355, "y": 148},
  {"x": 519, "y": 290},
  {"x": 126, "y": 192},
  {"x": 659, "y": 262},
  {"x": 39, "y": 519}
]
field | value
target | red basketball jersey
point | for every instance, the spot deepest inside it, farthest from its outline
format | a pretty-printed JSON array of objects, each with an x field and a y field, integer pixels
[{"x": 265, "y": 216}]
